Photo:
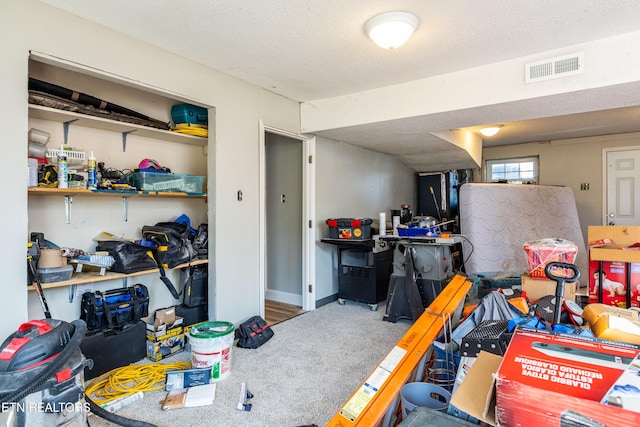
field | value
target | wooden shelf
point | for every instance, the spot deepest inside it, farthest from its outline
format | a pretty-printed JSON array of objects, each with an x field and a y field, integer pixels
[
  {"x": 45, "y": 191},
  {"x": 52, "y": 114},
  {"x": 94, "y": 276}
]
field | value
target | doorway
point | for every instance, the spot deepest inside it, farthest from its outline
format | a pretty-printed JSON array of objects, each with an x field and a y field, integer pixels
[
  {"x": 622, "y": 181},
  {"x": 286, "y": 229}
]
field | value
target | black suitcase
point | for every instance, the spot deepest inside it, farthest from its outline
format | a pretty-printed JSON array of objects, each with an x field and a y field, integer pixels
[{"x": 113, "y": 349}]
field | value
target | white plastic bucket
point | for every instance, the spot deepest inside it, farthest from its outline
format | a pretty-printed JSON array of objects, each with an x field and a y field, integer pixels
[
  {"x": 211, "y": 344},
  {"x": 423, "y": 394}
]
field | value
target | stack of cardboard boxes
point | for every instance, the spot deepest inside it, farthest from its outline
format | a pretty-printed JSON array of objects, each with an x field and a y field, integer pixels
[
  {"x": 617, "y": 249},
  {"x": 546, "y": 377},
  {"x": 165, "y": 334}
]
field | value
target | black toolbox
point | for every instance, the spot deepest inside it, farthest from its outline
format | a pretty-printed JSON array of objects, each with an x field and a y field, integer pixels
[
  {"x": 349, "y": 228},
  {"x": 113, "y": 349}
]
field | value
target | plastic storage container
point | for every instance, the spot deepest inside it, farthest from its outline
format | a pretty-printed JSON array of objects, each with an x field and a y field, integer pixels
[
  {"x": 418, "y": 231},
  {"x": 153, "y": 181},
  {"x": 55, "y": 274},
  {"x": 32, "y": 169},
  {"x": 542, "y": 252}
]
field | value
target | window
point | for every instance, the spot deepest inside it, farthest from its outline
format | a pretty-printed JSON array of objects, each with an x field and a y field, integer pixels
[{"x": 522, "y": 170}]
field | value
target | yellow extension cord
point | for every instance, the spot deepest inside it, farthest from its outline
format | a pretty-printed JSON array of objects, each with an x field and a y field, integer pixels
[
  {"x": 130, "y": 379},
  {"x": 191, "y": 129}
]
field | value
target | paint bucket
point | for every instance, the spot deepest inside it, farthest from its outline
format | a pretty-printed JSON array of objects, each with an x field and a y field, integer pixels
[
  {"x": 425, "y": 395},
  {"x": 211, "y": 344}
]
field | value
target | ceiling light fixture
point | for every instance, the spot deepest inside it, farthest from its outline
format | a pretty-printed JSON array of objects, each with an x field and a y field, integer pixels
[
  {"x": 490, "y": 130},
  {"x": 391, "y": 30}
]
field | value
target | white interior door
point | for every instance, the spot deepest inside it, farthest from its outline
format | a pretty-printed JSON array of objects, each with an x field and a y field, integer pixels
[
  {"x": 284, "y": 216},
  {"x": 622, "y": 185},
  {"x": 270, "y": 257}
]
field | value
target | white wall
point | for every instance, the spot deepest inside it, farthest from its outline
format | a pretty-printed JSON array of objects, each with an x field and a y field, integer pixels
[
  {"x": 571, "y": 162},
  {"x": 353, "y": 183},
  {"x": 31, "y": 25}
]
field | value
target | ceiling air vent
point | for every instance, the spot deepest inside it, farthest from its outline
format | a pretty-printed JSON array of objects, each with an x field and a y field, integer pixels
[{"x": 554, "y": 68}]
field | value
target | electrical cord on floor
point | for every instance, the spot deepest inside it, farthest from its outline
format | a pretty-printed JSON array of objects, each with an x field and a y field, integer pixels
[{"x": 130, "y": 379}]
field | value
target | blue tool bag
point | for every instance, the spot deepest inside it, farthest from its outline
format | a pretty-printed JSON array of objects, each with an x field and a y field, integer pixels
[{"x": 114, "y": 308}]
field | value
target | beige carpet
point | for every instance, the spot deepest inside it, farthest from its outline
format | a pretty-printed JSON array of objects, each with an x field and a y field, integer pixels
[{"x": 302, "y": 376}]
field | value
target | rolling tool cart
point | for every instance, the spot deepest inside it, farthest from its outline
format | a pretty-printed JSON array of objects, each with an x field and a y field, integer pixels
[{"x": 364, "y": 268}]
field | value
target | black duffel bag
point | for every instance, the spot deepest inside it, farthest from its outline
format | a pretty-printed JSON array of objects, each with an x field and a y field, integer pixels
[
  {"x": 129, "y": 257},
  {"x": 114, "y": 308},
  {"x": 172, "y": 241},
  {"x": 253, "y": 332},
  {"x": 132, "y": 257}
]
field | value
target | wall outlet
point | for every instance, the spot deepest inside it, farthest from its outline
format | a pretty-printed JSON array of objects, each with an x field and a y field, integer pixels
[{"x": 584, "y": 186}]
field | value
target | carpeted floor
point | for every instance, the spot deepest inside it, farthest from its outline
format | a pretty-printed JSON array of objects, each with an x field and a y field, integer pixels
[{"x": 302, "y": 376}]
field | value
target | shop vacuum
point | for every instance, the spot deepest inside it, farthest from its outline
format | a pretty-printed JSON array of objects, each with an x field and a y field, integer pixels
[{"x": 42, "y": 377}]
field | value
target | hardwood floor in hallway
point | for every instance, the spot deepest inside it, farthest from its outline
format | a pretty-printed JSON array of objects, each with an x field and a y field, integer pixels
[{"x": 276, "y": 312}]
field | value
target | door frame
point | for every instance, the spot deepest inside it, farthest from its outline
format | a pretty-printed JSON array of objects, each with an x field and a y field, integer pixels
[
  {"x": 604, "y": 214},
  {"x": 308, "y": 214}
]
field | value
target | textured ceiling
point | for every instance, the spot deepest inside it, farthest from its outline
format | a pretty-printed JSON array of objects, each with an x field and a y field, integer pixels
[{"x": 316, "y": 49}]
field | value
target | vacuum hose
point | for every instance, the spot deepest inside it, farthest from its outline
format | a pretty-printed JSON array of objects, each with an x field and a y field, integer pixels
[
  {"x": 31, "y": 386},
  {"x": 117, "y": 419}
]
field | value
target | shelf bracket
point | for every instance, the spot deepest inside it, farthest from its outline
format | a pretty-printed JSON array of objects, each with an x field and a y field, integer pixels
[
  {"x": 124, "y": 140},
  {"x": 125, "y": 282},
  {"x": 125, "y": 207},
  {"x": 68, "y": 200},
  {"x": 72, "y": 292},
  {"x": 65, "y": 130}
]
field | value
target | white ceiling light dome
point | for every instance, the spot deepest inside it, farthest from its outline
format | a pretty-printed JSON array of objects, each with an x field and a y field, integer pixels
[
  {"x": 490, "y": 130},
  {"x": 391, "y": 30}
]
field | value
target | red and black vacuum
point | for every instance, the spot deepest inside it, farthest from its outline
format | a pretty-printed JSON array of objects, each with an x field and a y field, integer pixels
[
  {"x": 42, "y": 377},
  {"x": 42, "y": 372}
]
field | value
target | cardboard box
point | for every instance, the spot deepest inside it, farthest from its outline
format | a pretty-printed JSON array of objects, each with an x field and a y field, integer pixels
[
  {"x": 464, "y": 367},
  {"x": 614, "y": 291},
  {"x": 613, "y": 243},
  {"x": 593, "y": 311},
  {"x": 565, "y": 379},
  {"x": 614, "y": 246},
  {"x": 476, "y": 394},
  {"x": 613, "y": 323},
  {"x": 538, "y": 288},
  {"x": 165, "y": 334}
]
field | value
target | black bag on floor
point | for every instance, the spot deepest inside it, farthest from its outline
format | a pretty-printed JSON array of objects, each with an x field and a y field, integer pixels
[
  {"x": 253, "y": 333},
  {"x": 114, "y": 308}
]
